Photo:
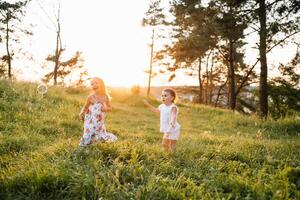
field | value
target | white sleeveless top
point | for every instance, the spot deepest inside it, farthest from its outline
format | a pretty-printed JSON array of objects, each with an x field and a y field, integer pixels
[{"x": 165, "y": 118}]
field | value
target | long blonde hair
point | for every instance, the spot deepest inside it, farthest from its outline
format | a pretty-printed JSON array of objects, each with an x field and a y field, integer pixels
[{"x": 102, "y": 88}]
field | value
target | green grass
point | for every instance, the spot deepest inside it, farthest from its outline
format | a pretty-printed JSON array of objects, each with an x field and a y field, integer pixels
[{"x": 220, "y": 154}]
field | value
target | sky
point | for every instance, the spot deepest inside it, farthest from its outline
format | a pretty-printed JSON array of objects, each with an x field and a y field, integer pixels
[{"x": 109, "y": 34}]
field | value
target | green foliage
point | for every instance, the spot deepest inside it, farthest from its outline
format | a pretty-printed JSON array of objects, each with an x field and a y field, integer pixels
[
  {"x": 284, "y": 90},
  {"x": 11, "y": 27},
  {"x": 220, "y": 155},
  {"x": 284, "y": 100},
  {"x": 154, "y": 16}
]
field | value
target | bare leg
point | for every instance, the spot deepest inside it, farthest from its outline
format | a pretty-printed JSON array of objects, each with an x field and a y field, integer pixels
[
  {"x": 173, "y": 145},
  {"x": 92, "y": 139},
  {"x": 165, "y": 144}
]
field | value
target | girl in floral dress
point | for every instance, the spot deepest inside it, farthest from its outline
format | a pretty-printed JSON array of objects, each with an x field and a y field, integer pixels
[{"x": 94, "y": 110}]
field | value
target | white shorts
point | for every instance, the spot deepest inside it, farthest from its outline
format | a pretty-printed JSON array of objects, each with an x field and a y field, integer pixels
[{"x": 172, "y": 136}]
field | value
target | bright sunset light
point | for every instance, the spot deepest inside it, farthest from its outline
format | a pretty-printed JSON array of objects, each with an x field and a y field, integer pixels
[
  {"x": 109, "y": 34},
  {"x": 149, "y": 99}
]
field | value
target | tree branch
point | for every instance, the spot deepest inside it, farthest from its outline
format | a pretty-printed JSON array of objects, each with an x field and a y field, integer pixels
[
  {"x": 40, "y": 5},
  {"x": 258, "y": 59},
  {"x": 246, "y": 77},
  {"x": 282, "y": 40}
]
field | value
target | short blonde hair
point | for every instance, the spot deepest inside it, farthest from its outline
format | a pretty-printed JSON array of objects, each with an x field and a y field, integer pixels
[{"x": 171, "y": 92}]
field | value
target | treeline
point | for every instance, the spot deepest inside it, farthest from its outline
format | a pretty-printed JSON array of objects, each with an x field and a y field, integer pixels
[
  {"x": 205, "y": 38},
  {"x": 208, "y": 40}
]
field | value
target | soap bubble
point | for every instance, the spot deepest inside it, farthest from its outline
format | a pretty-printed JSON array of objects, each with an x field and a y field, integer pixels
[{"x": 42, "y": 88}]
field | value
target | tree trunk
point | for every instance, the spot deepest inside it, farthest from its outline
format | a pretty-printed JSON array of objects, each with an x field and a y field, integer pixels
[
  {"x": 207, "y": 79},
  {"x": 263, "y": 83},
  {"x": 57, "y": 54},
  {"x": 151, "y": 60},
  {"x": 211, "y": 87},
  {"x": 58, "y": 48},
  {"x": 219, "y": 92},
  {"x": 231, "y": 78},
  {"x": 200, "y": 81},
  {"x": 7, "y": 48}
]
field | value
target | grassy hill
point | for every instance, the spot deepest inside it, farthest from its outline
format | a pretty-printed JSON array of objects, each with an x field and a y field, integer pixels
[{"x": 220, "y": 155}]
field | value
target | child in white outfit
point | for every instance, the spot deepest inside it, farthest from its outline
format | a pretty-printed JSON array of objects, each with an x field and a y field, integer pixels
[{"x": 168, "y": 119}]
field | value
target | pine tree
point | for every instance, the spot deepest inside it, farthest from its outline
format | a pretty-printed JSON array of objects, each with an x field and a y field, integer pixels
[
  {"x": 11, "y": 15},
  {"x": 153, "y": 18}
]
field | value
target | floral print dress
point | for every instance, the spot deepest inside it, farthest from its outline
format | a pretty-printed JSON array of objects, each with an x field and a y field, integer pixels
[{"x": 94, "y": 126}]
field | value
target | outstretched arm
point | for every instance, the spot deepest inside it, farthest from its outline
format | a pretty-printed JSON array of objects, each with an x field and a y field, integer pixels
[{"x": 151, "y": 108}]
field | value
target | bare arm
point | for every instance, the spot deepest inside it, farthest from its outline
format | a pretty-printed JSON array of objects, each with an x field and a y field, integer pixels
[
  {"x": 151, "y": 108},
  {"x": 107, "y": 106},
  {"x": 85, "y": 107},
  {"x": 173, "y": 116}
]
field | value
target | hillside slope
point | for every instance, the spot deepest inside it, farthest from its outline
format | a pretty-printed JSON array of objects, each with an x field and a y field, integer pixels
[{"x": 220, "y": 154}]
